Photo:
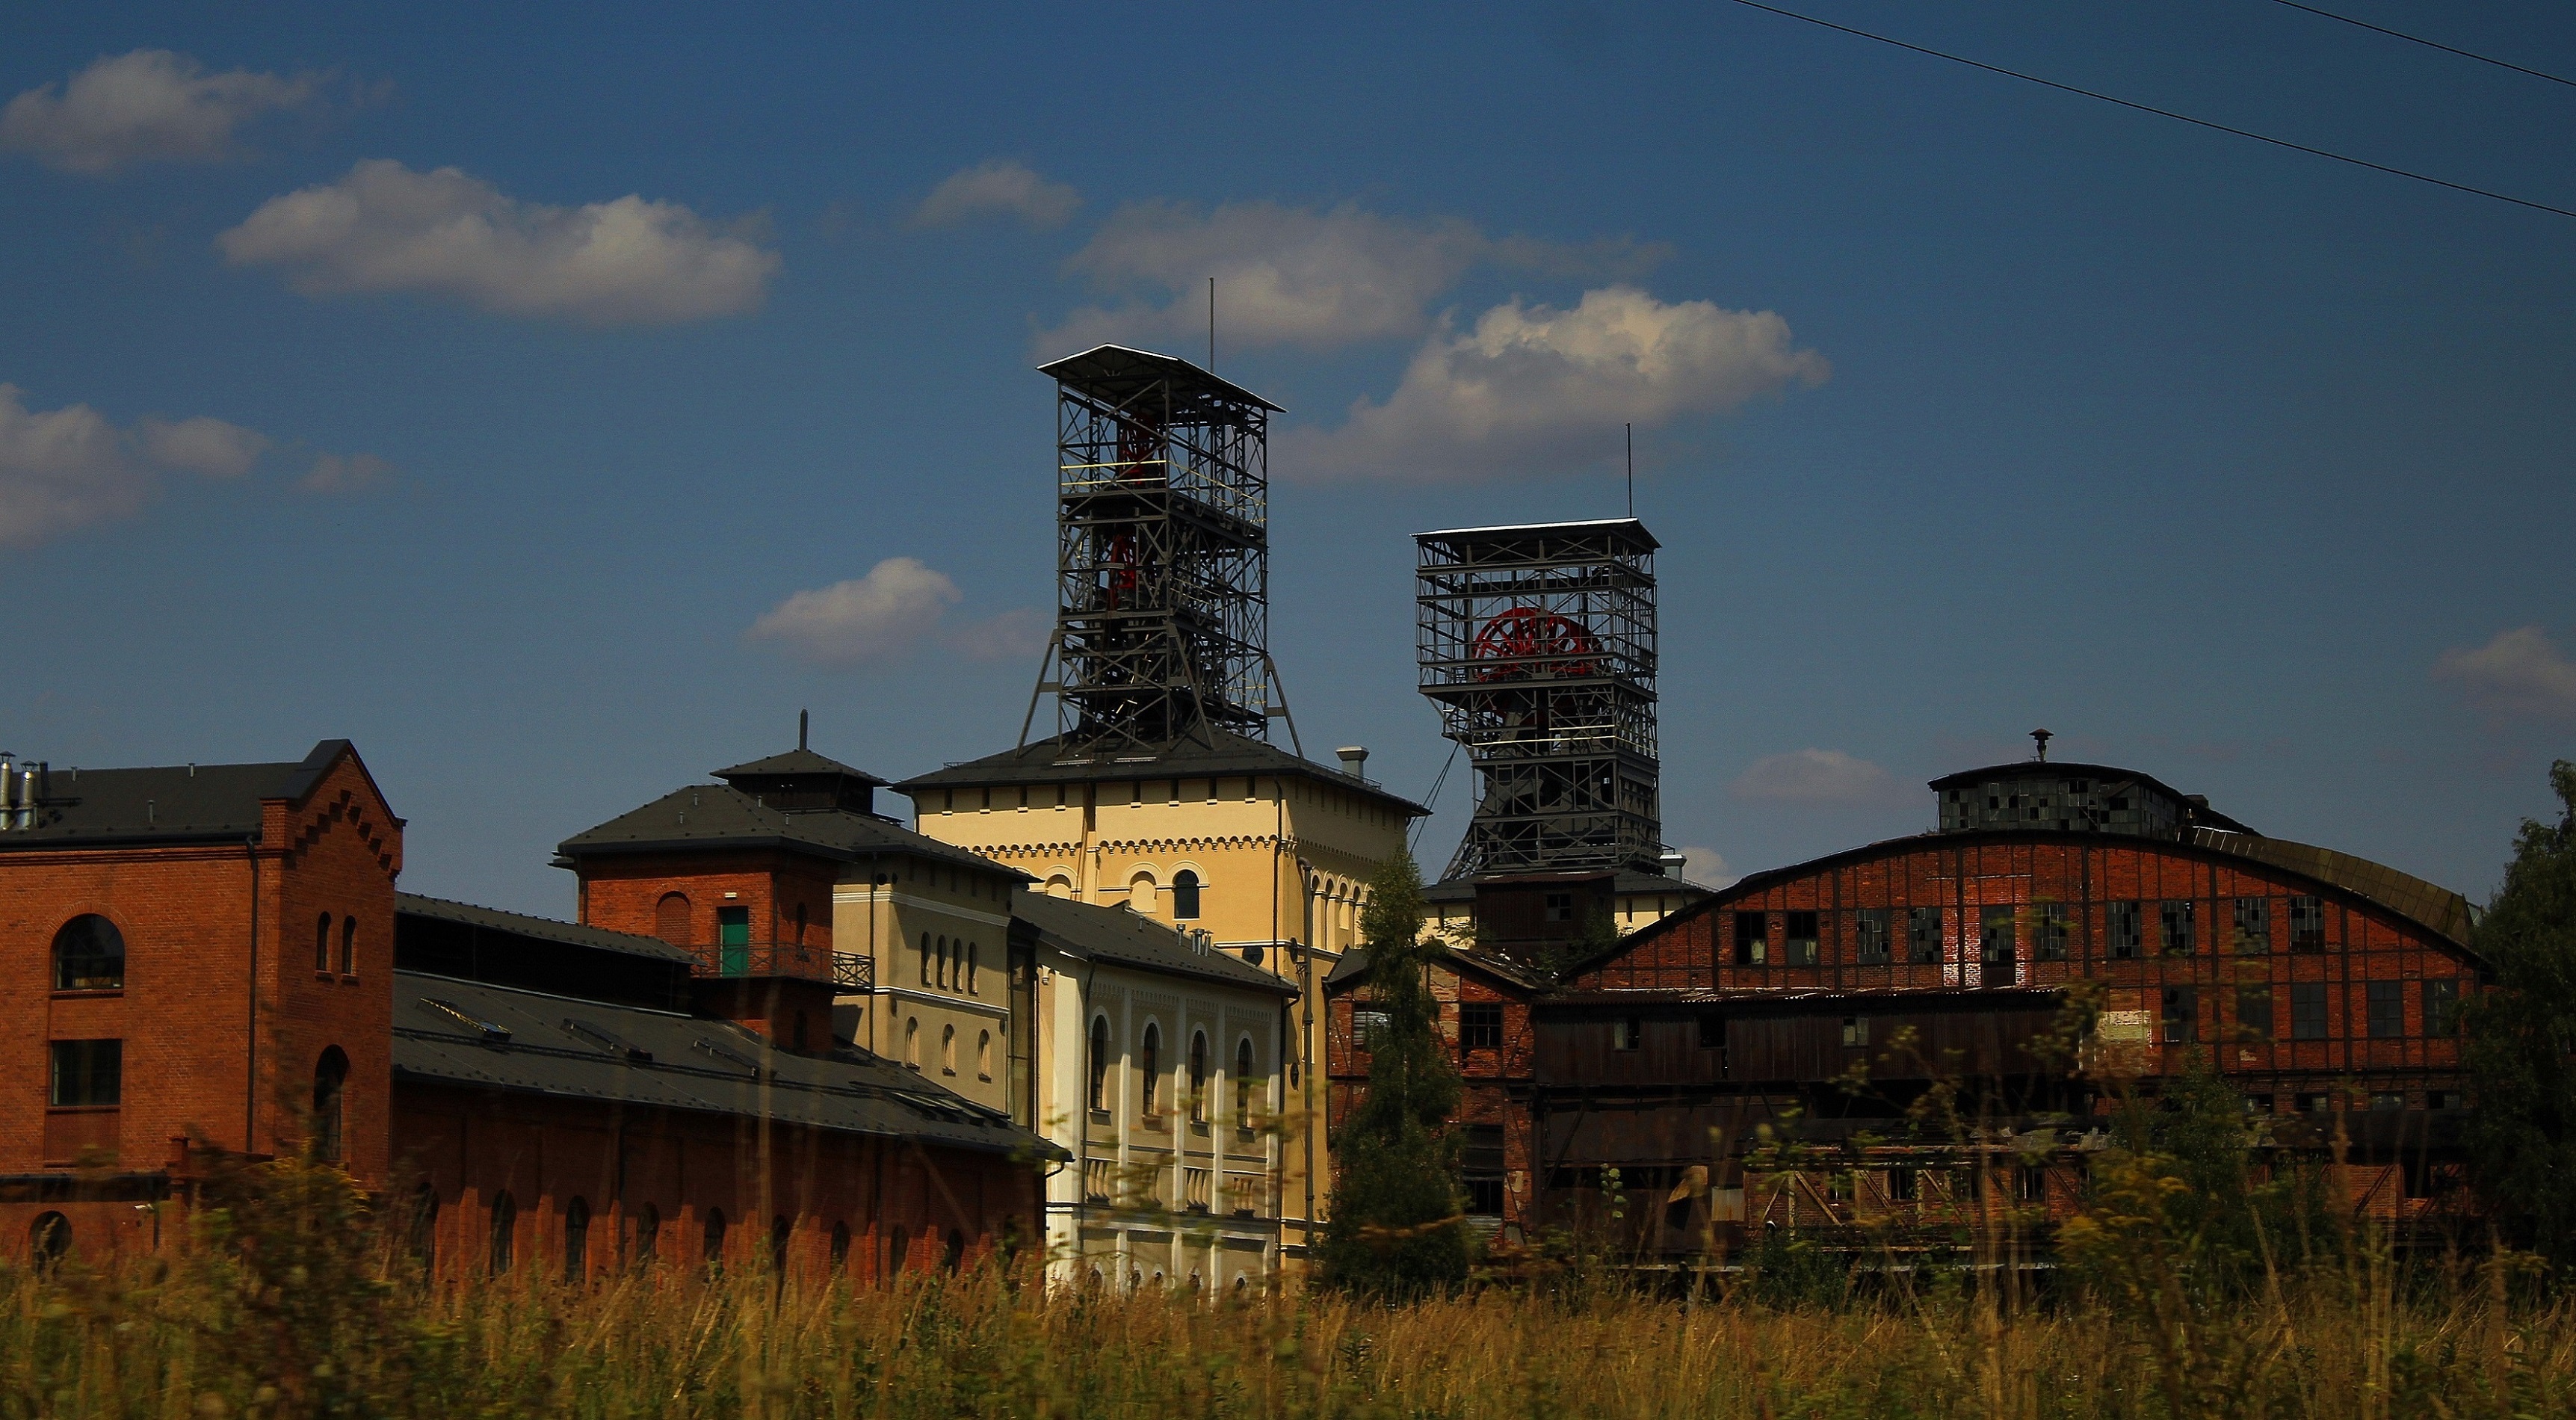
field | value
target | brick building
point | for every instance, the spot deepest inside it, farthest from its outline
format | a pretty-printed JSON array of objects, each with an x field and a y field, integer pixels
[{"x": 215, "y": 957}]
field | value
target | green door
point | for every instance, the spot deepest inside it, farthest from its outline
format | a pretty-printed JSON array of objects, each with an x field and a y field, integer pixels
[{"x": 733, "y": 935}]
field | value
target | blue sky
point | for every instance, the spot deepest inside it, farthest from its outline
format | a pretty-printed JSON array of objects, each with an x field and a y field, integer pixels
[{"x": 1963, "y": 407}]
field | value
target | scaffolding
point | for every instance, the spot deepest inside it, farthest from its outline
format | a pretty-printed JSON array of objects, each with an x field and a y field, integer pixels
[
  {"x": 1537, "y": 643},
  {"x": 1162, "y": 625}
]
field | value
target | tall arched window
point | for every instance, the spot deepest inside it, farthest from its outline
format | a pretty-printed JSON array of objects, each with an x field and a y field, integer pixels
[
  {"x": 956, "y": 1252},
  {"x": 983, "y": 1055},
  {"x": 948, "y": 1050},
  {"x": 1100, "y": 1062},
  {"x": 348, "y": 946},
  {"x": 330, "y": 1075},
  {"x": 424, "y": 1226},
  {"x": 1243, "y": 1083},
  {"x": 1198, "y": 1077},
  {"x": 912, "y": 1042},
  {"x": 322, "y": 943},
  {"x": 1140, "y": 893},
  {"x": 715, "y": 1237},
  {"x": 505, "y": 1232},
  {"x": 840, "y": 1246},
  {"x": 781, "y": 1232},
  {"x": 898, "y": 1249},
  {"x": 1151, "y": 1063},
  {"x": 974, "y": 963},
  {"x": 800, "y": 924},
  {"x": 943, "y": 963},
  {"x": 576, "y": 1240},
  {"x": 89, "y": 955},
  {"x": 925, "y": 958},
  {"x": 49, "y": 1241},
  {"x": 648, "y": 1236},
  {"x": 1185, "y": 895},
  {"x": 671, "y": 919}
]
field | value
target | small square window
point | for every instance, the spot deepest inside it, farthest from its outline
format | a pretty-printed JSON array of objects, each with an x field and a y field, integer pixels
[
  {"x": 1855, "y": 1030},
  {"x": 1752, "y": 942},
  {"x": 1802, "y": 946},
  {"x": 2387, "y": 1100},
  {"x": 1484, "y": 1197},
  {"x": 87, "y": 1074},
  {"x": 2307, "y": 924},
  {"x": 1923, "y": 935},
  {"x": 1712, "y": 1032},
  {"x": 1869, "y": 936},
  {"x": 2387, "y": 1004},
  {"x": 1560, "y": 907},
  {"x": 1480, "y": 1027},
  {"x": 2314, "y": 1102},
  {"x": 1626, "y": 1034},
  {"x": 2308, "y": 1010}
]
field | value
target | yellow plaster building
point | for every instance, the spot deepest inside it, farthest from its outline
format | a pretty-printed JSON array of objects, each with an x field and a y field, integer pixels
[{"x": 1266, "y": 852}]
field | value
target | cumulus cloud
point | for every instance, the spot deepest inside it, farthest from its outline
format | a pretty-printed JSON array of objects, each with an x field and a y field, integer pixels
[
  {"x": 150, "y": 105},
  {"x": 1534, "y": 389},
  {"x": 64, "y": 469},
  {"x": 1815, "y": 776},
  {"x": 2520, "y": 672},
  {"x": 201, "y": 445},
  {"x": 384, "y": 227},
  {"x": 1297, "y": 276},
  {"x": 1707, "y": 867},
  {"x": 353, "y": 473},
  {"x": 897, "y": 606},
  {"x": 998, "y": 188}
]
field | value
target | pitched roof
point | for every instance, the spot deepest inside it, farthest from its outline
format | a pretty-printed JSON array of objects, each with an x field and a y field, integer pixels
[
  {"x": 168, "y": 804},
  {"x": 483, "y": 1036},
  {"x": 795, "y": 762},
  {"x": 1355, "y": 964},
  {"x": 719, "y": 815},
  {"x": 1113, "y": 934},
  {"x": 1051, "y": 761},
  {"x": 543, "y": 928},
  {"x": 1116, "y": 374}
]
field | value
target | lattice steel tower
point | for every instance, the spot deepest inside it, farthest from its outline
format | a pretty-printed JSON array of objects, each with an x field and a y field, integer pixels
[
  {"x": 1162, "y": 625},
  {"x": 1538, "y": 645}
]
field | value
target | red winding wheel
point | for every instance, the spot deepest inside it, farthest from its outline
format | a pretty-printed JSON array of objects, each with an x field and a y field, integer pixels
[{"x": 1538, "y": 642}]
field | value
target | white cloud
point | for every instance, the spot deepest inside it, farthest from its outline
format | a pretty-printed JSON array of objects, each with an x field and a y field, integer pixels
[
  {"x": 1294, "y": 275},
  {"x": 145, "y": 106},
  {"x": 998, "y": 188},
  {"x": 201, "y": 445},
  {"x": 384, "y": 227},
  {"x": 1533, "y": 389},
  {"x": 353, "y": 473},
  {"x": 899, "y": 604},
  {"x": 64, "y": 469},
  {"x": 1707, "y": 867},
  {"x": 2520, "y": 672},
  {"x": 1816, "y": 776}
]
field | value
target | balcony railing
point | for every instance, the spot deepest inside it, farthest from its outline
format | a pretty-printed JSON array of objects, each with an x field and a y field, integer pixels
[
  {"x": 1099, "y": 1180},
  {"x": 1198, "y": 1188},
  {"x": 847, "y": 970}
]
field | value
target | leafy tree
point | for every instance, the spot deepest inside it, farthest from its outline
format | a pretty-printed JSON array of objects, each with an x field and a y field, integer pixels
[
  {"x": 1397, "y": 1204},
  {"x": 2522, "y": 1138}
]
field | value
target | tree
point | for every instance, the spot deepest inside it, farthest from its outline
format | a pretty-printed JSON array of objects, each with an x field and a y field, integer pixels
[
  {"x": 2522, "y": 1137},
  {"x": 1397, "y": 1204}
]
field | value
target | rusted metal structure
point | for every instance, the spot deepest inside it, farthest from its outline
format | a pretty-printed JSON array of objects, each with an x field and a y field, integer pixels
[
  {"x": 1162, "y": 556},
  {"x": 1537, "y": 643}
]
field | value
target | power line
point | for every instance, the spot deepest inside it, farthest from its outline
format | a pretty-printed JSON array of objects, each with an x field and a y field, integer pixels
[
  {"x": 2428, "y": 44},
  {"x": 2162, "y": 112}
]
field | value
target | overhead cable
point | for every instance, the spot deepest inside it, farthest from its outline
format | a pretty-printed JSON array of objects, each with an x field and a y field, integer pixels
[
  {"x": 2162, "y": 112},
  {"x": 2428, "y": 44}
]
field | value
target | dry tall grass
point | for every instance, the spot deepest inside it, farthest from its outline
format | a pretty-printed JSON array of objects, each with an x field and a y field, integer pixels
[{"x": 172, "y": 1340}]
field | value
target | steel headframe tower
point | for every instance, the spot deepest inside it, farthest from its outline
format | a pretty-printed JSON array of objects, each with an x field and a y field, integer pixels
[
  {"x": 1162, "y": 628},
  {"x": 1538, "y": 645}
]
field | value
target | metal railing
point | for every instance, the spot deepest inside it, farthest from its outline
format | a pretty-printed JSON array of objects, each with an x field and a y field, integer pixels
[{"x": 847, "y": 970}]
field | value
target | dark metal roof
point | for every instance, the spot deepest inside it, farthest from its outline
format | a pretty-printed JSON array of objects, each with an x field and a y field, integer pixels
[
  {"x": 796, "y": 762},
  {"x": 2195, "y": 806},
  {"x": 1115, "y": 374},
  {"x": 1634, "y": 530},
  {"x": 1113, "y": 934},
  {"x": 1355, "y": 964},
  {"x": 1052, "y": 762},
  {"x": 543, "y": 928},
  {"x": 481, "y": 1036},
  {"x": 168, "y": 804},
  {"x": 719, "y": 815}
]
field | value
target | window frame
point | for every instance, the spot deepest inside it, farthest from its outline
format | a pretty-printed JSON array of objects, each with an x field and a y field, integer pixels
[
  {"x": 1483, "y": 1029},
  {"x": 2383, "y": 1004},
  {"x": 59, "y": 967},
  {"x": 75, "y": 1079}
]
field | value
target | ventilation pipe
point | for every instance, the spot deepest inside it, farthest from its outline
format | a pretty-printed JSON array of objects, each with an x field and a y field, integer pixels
[
  {"x": 1674, "y": 863},
  {"x": 1354, "y": 761},
  {"x": 8, "y": 794}
]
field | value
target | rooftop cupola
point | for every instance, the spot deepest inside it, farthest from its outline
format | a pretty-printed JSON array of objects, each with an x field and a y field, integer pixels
[{"x": 802, "y": 779}]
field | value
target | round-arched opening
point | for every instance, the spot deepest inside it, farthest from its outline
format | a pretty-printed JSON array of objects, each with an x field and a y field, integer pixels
[
  {"x": 1185, "y": 895},
  {"x": 781, "y": 1233},
  {"x": 898, "y": 1249},
  {"x": 1243, "y": 1083},
  {"x": 89, "y": 955},
  {"x": 576, "y": 1230},
  {"x": 1100, "y": 1062},
  {"x": 840, "y": 1246},
  {"x": 322, "y": 943},
  {"x": 956, "y": 1250},
  {"x": 648, "y": 1235},
  {"x": 505, "y": 1232},
  {"x": 1140, "y": 893},
  {"x": 671, "y": 919},
  {"x": 713, "y": 1251},
  {"x": 1198, "y": 1077},
  {"x": 49, "y": 1241},
  {"x": 330, "y": 1080},
  {"x": 1150, "y": 1064}
]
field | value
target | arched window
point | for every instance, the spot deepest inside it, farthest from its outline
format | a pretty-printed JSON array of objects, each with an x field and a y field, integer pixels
[
  {"x": 781, "y": 1232},
  {"x": 648, "y": 1236},
  {"x": 1059, "y": 886},
  {"x": 898, "y": 1250},
  {"x": 1140, "y": 893},
  {"x": 576, "y": 1240},
  {"x": 89, "y": 955},
  {"x": 49, "y": 1241},
  {"x": 983, "y": 1055},
  {"x": 800, "y": 924},
  {"x": 671, "y": 919},
  {"x": 948, "y": 1050},
  {"x": 330, "y": 1075},
  {"x": 1100, "y": 1062},
  {"x": 348, "y": 946},
  {"x": 925, "y": 958},
  {"x": 1198, "y": 1077},
  {"x": 1151, "y": 1064},
  {"x": 912, "y": 1042},
  {"x": 714, "y": 1253},
  {"x": 1243, "y": 1083},
  {"x": 956, "y": 1251},
  {"x": 943, "y": 963},
  {"x": 1185, "y": 895},
  {"x": 974, "y": 963},
  {"x": 505, "y": 1232},
  {"x": 322, "y": 943},
  {"x": 424, "y": 1226},
  {"x": 840, "y": 1246}
]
